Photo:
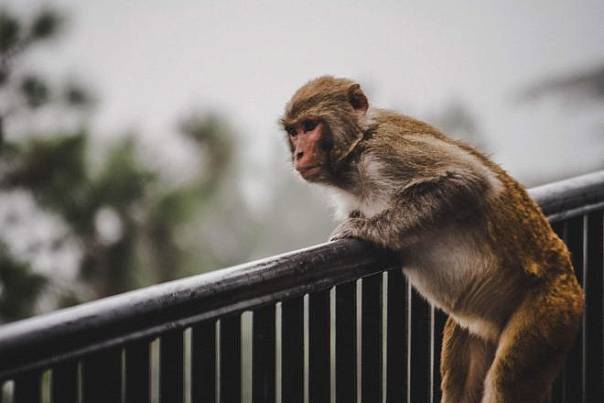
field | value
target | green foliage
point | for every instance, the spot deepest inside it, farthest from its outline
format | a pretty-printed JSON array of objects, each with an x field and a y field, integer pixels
[
  {"x": 28, "y": 91},
  {"x": 76, "y": 96},
  {"x": 18, "y": 287},
  {"x": 130, "y": 225},
  {"x": 45, "y": 24},
  {"x": 9, "y": 31},
  {"x": 17, "y": 35},
  {"x": 51, "y": 167},
  {"x": 34, "y": 90},
  {"x": 122, "y": 181}
]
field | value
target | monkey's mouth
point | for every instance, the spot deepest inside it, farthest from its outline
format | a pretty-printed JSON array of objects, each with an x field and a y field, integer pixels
[{"x": 309, "y": 172}]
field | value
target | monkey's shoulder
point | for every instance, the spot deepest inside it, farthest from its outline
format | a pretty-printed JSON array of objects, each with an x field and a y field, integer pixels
[{"x": 401, "y": 161}]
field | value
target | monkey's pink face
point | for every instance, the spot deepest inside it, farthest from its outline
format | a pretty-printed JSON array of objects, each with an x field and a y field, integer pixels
[{"x": 307, "y": 140}]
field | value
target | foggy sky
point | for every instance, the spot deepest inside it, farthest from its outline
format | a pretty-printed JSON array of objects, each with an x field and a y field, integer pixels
[{"x": 150, "y": 61}]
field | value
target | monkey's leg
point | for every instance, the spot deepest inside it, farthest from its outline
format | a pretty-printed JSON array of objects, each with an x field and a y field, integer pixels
[
  {"x": 534, "y": 343},
  {"x": 465, "y": 360}
]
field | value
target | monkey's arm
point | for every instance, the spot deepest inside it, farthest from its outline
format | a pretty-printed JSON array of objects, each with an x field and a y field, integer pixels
[{"x": 418, "y": 208}]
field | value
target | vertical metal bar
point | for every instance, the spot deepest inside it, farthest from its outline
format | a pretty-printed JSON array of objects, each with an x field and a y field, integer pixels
[
  {"x": 436, "y": 340},
  {"x": 371, "y": 350},
  {"x": 28, "y": 388},
  {"x": 230, "y": 359},
  {"x": 292, "y": 351},
  {"x": 573, "y": 235},
  {"x": 419, "y": 346},
  {"x": 263, "y": 355},
  {"x": 65, "y": 382},
  {"x": 318, "y": 345},
  {"x": 137, "y": 372},
  {"x": 396, "y": 338},
  {"x": 558, "y": 390},
  {"x": 593, "y": 319},
  {"x": 102, "y": 378},
  {"x": 171, "y": 373},
  {"x": 346, "y": 343},
  {"x": 203, "y": 363}
]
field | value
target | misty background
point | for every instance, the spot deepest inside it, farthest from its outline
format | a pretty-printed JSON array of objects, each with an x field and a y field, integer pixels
[{"x": 139, "y": 140}]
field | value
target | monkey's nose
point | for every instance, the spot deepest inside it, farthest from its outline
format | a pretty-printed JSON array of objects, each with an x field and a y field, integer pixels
[{"x": 299, "y": 154}]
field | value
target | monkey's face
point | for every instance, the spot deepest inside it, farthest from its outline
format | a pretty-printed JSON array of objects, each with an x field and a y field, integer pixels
[
  {"x": 310, "y": 143},
  {"x": 323, "y": 125}
]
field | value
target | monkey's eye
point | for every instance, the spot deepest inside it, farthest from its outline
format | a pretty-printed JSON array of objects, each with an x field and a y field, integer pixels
[
  {"x": 308, "y": 125},
  {"x": 291, "y": 131}
]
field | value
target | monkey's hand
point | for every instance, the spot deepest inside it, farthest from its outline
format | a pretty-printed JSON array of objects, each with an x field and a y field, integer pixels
[
  {"x": 384, "y": 229},
  {"x": 351, "y": 228}
]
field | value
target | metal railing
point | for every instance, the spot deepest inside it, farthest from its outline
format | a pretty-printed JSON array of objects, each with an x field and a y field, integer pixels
[{"x": 334, "y": 322}]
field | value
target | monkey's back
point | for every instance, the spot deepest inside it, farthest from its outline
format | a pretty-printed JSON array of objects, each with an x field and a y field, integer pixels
[
  {"x": 515, "y": 223},
  {"x": 452, "y": 265}
]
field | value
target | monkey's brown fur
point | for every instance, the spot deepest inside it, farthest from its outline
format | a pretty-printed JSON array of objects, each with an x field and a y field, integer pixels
[{"x": 470, "y": 238}]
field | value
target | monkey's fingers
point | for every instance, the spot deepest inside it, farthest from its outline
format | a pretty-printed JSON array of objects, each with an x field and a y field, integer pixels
[{"x": 345, "y": 230}]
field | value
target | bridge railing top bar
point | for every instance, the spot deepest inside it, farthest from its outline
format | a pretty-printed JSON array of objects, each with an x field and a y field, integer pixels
[
  {"x": 571, "y": 197},
  {"x": 147, "y": 312}
]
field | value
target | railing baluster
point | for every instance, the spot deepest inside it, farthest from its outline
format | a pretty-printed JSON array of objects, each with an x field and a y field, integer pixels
[
  {"x": 292, "y": 351},
  {"x": 65, "y": 382},
  {"x": 230, "y": 359},
  {"x": 28, "y": 388},
  {"x": 396, "y": 340},
  {"x": 263, "y": 355},
  {"x": 346, "y": 343},
  {"x": 573, "y": 236},
  {"x": 318, "y": 356},
  {"x": 593, "y": 331},
  {"x": 419, "y": 346},
  {"x": 203, "y": 363},
  {"x": 137, "y": 372},
  {"x": 558, "y": 390},
  {"x": 371, "y": 352},
  {"x": 102, "y": 377},
  {"x": 436, "y": 339},
  {"x": 171, "y": 350}
]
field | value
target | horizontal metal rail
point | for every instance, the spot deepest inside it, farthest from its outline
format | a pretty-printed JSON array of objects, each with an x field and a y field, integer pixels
[
  {"x": 143, "y": 314},
  {"x": 571, "y": 197}
]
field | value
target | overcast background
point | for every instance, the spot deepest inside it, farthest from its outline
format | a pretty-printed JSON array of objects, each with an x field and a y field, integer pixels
[{"x": 150, "y": 59}]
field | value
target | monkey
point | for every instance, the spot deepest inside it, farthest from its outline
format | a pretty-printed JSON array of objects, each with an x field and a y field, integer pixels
[{"x": 470, "y": 239}]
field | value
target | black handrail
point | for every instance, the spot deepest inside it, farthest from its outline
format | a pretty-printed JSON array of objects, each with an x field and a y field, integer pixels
[
  {"x": 142, "y": 314},
  {"x": 571, "y": 197}
]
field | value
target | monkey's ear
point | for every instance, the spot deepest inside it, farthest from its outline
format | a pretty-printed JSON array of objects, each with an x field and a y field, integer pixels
[{"x": 357, "y": 99}]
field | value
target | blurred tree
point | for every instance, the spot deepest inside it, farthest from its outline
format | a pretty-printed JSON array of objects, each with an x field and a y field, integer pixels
[
  {"x": 587, "y": 84},
  {"x": 25, "y": 91},
  {"x": 17, "y": 280},
  {"x": 129, "y": 226},
  {"x": 205, "y": 223},
  {"x": 578, "y": 88},
  {"x": 21, "y": 92}
]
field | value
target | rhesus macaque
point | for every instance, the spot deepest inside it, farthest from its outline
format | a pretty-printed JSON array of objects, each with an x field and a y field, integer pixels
[{"x": 471, "y": 240}]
